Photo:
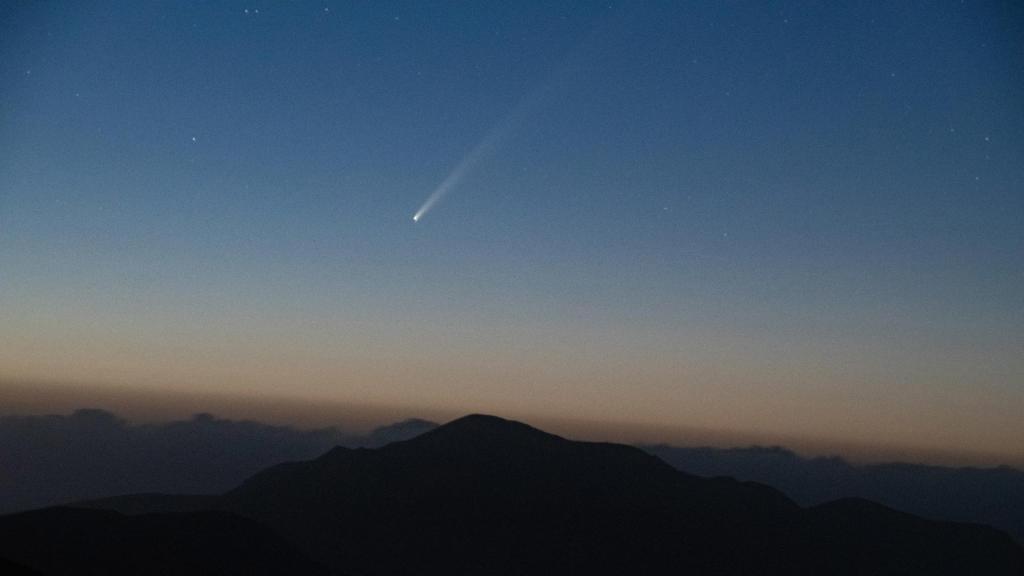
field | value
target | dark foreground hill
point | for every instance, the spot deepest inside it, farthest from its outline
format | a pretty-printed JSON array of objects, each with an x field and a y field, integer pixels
[
  {"x": 482, "y": 495},
  {"x": 57, "y": 541}
]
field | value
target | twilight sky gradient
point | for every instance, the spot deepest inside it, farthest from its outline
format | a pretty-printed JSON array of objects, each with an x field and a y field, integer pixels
[{"x": 790, "y": 218}]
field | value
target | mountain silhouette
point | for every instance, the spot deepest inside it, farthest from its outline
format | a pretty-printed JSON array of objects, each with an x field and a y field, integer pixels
[
  {"x": 993, "y": 496},
  {"x": 398, "y": 431},
  {"x": 94, "y": 456},
  {"x": 484, "y": 495},
  {"x": 487, "y": 495}
]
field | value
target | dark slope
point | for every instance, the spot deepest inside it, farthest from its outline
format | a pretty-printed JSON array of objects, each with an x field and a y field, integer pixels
[
  {"x": 132, "y": 504},
  {"x": 993, "y": 496},
  {"x": 486, "y": 495},
  {"x": 57, "y": 541},
  {"x": 909, "y": 544}
]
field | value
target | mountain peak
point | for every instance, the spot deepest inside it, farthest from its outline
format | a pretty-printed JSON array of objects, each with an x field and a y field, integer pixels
[
  {"x": 488, "y": 424},
  {"x": 487, "y": 421},
  {"x": 484, "y": 430}
]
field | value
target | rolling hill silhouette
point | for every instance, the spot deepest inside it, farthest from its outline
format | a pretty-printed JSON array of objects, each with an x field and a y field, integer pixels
[
  {"x": 92, "y": 453},
  {"x": 483, "y": 495},
  {"x": 993, "y": 496}
]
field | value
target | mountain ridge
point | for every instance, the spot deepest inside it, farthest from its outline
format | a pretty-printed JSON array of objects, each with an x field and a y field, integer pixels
[
  {"x": 456, "y": 481},
  {"x": 482, "y": 494}
]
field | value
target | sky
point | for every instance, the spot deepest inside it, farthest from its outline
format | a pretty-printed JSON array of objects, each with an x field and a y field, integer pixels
[{"x": 795, "y": 219}]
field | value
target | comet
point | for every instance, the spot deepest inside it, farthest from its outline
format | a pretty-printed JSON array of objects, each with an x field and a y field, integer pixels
[
  {"x": 484, "y": 147},
  {"x": 466, "y": 164},
  {"x": 515, "y": 117}
]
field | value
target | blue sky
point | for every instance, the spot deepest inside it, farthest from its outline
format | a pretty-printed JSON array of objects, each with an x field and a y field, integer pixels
[{"x": 794, "y": 217}]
